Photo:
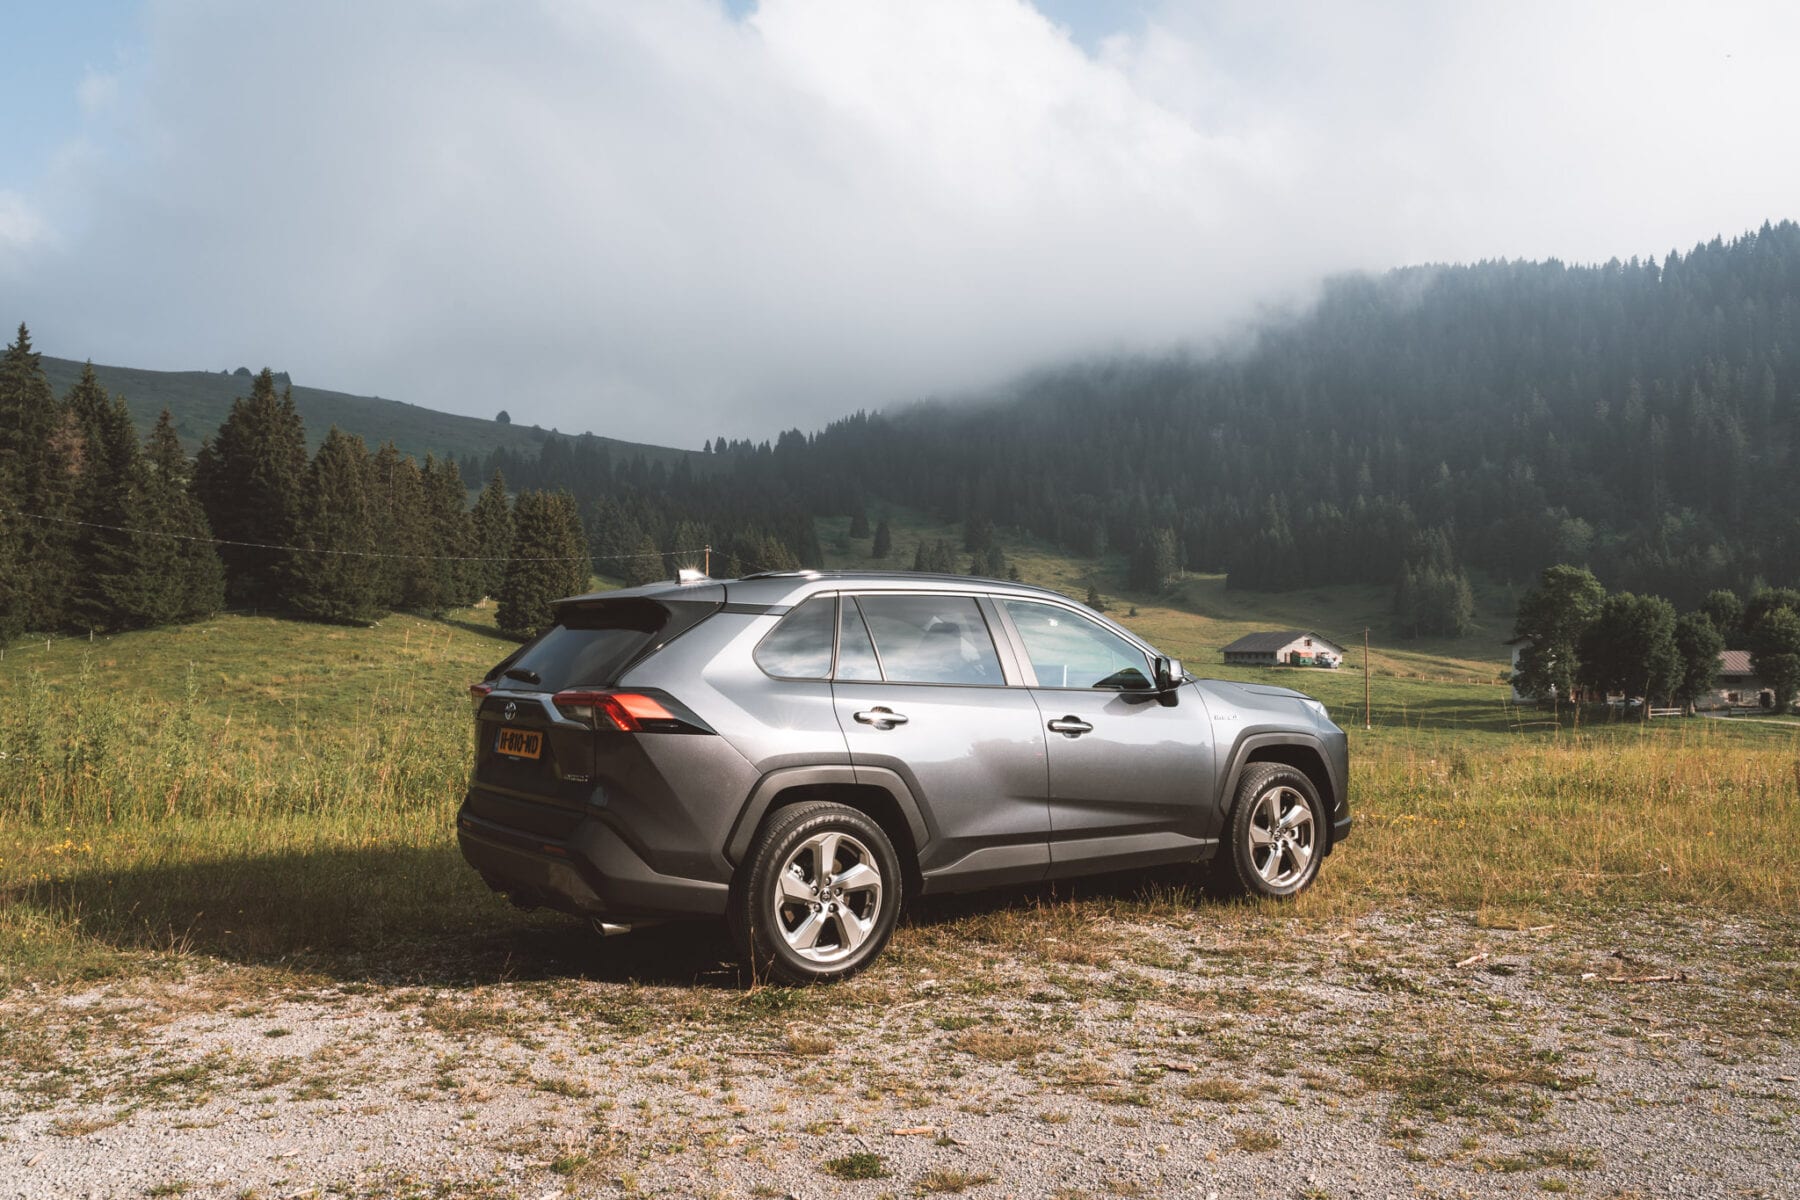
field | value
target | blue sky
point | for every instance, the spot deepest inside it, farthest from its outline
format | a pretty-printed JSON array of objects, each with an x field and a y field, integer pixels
[{"x": 51, "y": 47}]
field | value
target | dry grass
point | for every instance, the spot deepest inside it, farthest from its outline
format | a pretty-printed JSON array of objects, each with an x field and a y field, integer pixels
[
  {"x": 1000, "y": 1046},
  {"x": 1218, "y": 1091},
  {"x": 1255, "y": 1139},
  {"x": 948, "y": 1180}
]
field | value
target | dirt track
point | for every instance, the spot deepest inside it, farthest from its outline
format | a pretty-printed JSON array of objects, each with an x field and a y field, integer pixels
[{"x": 1064, "y": 1050}]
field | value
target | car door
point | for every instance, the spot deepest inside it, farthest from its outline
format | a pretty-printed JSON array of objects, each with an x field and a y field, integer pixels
[
  {"x": 1130, "y": 772},
  {"x": 921, "y": 691}
]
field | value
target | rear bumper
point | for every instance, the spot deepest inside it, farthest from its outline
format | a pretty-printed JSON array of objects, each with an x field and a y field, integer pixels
[{"x": 589, "y": 871}]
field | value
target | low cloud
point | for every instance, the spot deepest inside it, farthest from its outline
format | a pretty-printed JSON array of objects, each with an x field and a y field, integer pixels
[{"x": 658, "y": 221}]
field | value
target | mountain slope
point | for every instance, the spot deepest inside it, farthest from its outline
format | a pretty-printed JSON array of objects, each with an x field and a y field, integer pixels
[
  {"x": 1640, "y": 417},
  {"x": 199, "y": 401}
]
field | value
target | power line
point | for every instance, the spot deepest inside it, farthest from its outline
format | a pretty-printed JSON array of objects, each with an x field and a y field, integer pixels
[{"x": 188, "y": 537}]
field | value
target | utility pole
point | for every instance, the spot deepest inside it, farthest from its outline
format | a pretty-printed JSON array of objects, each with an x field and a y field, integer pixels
[
  {"x": 1366, "y": 724},
  {"x": 706, "y": 562}
]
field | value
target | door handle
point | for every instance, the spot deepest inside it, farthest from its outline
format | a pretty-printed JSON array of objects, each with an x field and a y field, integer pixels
[
  {"x": 880, "y": 718},
  {"x": 1070, "y": 726}
]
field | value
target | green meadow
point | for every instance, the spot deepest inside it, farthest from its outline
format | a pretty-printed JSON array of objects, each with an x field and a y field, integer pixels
[{"x": 265, "y": 792}]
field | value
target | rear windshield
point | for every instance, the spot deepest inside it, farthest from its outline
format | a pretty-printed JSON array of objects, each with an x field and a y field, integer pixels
[{"x": 592, "y": 644}]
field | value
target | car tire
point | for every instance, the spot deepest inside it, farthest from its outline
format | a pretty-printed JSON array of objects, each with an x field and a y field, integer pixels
[
  {"x": 1275, "y": 836},
  {"x": 817, "y": 896}
]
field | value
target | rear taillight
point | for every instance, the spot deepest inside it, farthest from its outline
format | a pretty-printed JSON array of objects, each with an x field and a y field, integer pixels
[
  {"x": 628, "y": 712},
  {"x": 477, "y": 693}
]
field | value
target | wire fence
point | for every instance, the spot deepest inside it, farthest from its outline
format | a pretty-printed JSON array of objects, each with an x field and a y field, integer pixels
[{"x": 188, "y": 537}]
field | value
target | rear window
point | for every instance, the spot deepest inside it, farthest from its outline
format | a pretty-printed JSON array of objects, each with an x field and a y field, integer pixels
[{"x": 591, "y": 644}]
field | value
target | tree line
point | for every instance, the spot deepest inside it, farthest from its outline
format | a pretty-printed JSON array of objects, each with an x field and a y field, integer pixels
[
  {"x": 101, "y": 532},
  {"x": 747, "y": 501},
  {"x": 1581, "y": 641}
]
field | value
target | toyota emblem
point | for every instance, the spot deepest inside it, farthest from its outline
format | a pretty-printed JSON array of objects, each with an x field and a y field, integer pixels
[{"x": 511, "y": 710}]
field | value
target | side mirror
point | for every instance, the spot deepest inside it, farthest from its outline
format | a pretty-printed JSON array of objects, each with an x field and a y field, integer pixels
[{"x": 1168, "y": 674}]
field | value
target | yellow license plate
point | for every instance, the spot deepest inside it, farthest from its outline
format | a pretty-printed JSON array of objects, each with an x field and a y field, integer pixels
[{"x": 520, "y": 743}]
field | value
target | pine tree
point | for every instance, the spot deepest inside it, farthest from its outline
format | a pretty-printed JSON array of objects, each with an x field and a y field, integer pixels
[
  {"x": 38, "y": 448},
  {"x": 1093, "y": 600},
  {"x": 643, "y": 564},
  {"x": 335, "y": 577},
  {"x": 248, "y": 478},
  {"x": 406, "y": 578},
  {"x": 189, "y": 555},
  {"x": 492, "y": 521},
  {"x": 884, "y": 540},
  {"x": 859, "y": 522},
  {"x": 687, "y": 545},
  {"x": 988, "y": 563},
  {"x": 935, "y": 555},
  {"x": 1433, "y": 594},
  {"x": 122, "y": 582},
  {"x": 12, "y": 576},
  {"x": 978, "y": 533},
  {"x": 454, "y": 578},
  {"x": 1154, "y": 561},
  {"x": 547, "y": 561}
]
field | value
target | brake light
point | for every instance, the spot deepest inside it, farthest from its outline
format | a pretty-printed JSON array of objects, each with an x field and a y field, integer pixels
[
  {"x": 630, "y": 712},
  {"x": 477, "y": 693}
]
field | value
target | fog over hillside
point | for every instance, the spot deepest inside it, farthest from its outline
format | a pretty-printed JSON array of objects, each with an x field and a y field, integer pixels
[{"x": 672, "y": 220}]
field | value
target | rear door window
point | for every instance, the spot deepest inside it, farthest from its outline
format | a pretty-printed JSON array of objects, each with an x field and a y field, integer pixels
[
  {"x": 931, "y": 639},
  {"x": 800, "y": 646},
  {"x": 856, "y": 653},
  {"x": 1069, "y": 651}
]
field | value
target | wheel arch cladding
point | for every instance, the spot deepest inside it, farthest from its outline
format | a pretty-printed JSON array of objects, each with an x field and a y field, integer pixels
[{"x": 874, "y": 802}]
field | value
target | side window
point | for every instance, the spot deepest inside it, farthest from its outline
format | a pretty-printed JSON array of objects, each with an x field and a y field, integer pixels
[
  {"x": 932, "y": 639},
  {"x": 1069, "y": 651},
  {"x": 856, "y": 653},
  {"x": 800, "y": 646}
]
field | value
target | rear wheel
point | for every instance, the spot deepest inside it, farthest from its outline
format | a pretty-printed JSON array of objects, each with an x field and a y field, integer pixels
[
  {"x": 1275, "y": 834},
  {"x": 817, "y": 896}
]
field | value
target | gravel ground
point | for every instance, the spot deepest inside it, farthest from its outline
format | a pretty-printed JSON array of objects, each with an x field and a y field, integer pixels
[{"x": 1033, "y": 1051}]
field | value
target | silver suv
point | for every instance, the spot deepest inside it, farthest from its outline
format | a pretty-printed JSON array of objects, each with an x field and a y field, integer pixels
[{"x": 799, "y": 752}]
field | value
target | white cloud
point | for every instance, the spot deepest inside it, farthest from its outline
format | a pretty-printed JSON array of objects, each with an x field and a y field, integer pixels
[
  {"x": 20, "y": 230},
  {"x": 654, "y": 221}
]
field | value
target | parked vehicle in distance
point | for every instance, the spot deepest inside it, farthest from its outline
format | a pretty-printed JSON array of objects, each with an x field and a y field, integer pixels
[{"x": 800, "y": 752}]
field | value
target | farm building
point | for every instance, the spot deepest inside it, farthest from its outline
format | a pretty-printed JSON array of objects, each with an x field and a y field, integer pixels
[
  {"x": 1284, "y": 648},
  {"x": 1737, "y": 685}
]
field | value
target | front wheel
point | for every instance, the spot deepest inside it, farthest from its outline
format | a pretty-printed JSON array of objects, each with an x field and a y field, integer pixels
[
  {"x": 818, "y": 895},
  {"x": 1275, "y": 834}
]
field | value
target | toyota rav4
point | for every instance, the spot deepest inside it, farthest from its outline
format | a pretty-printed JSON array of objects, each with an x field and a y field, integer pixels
[{"x": 800, "y": 752}]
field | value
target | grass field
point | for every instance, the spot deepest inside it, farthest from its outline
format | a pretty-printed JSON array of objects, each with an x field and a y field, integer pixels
[{"x": 256, "y": 790}]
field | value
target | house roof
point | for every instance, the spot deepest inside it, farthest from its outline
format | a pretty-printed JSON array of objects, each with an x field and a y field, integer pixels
[
  {"x": 1269, "y": 643},
  {"x": 1735, "y": 662}
]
